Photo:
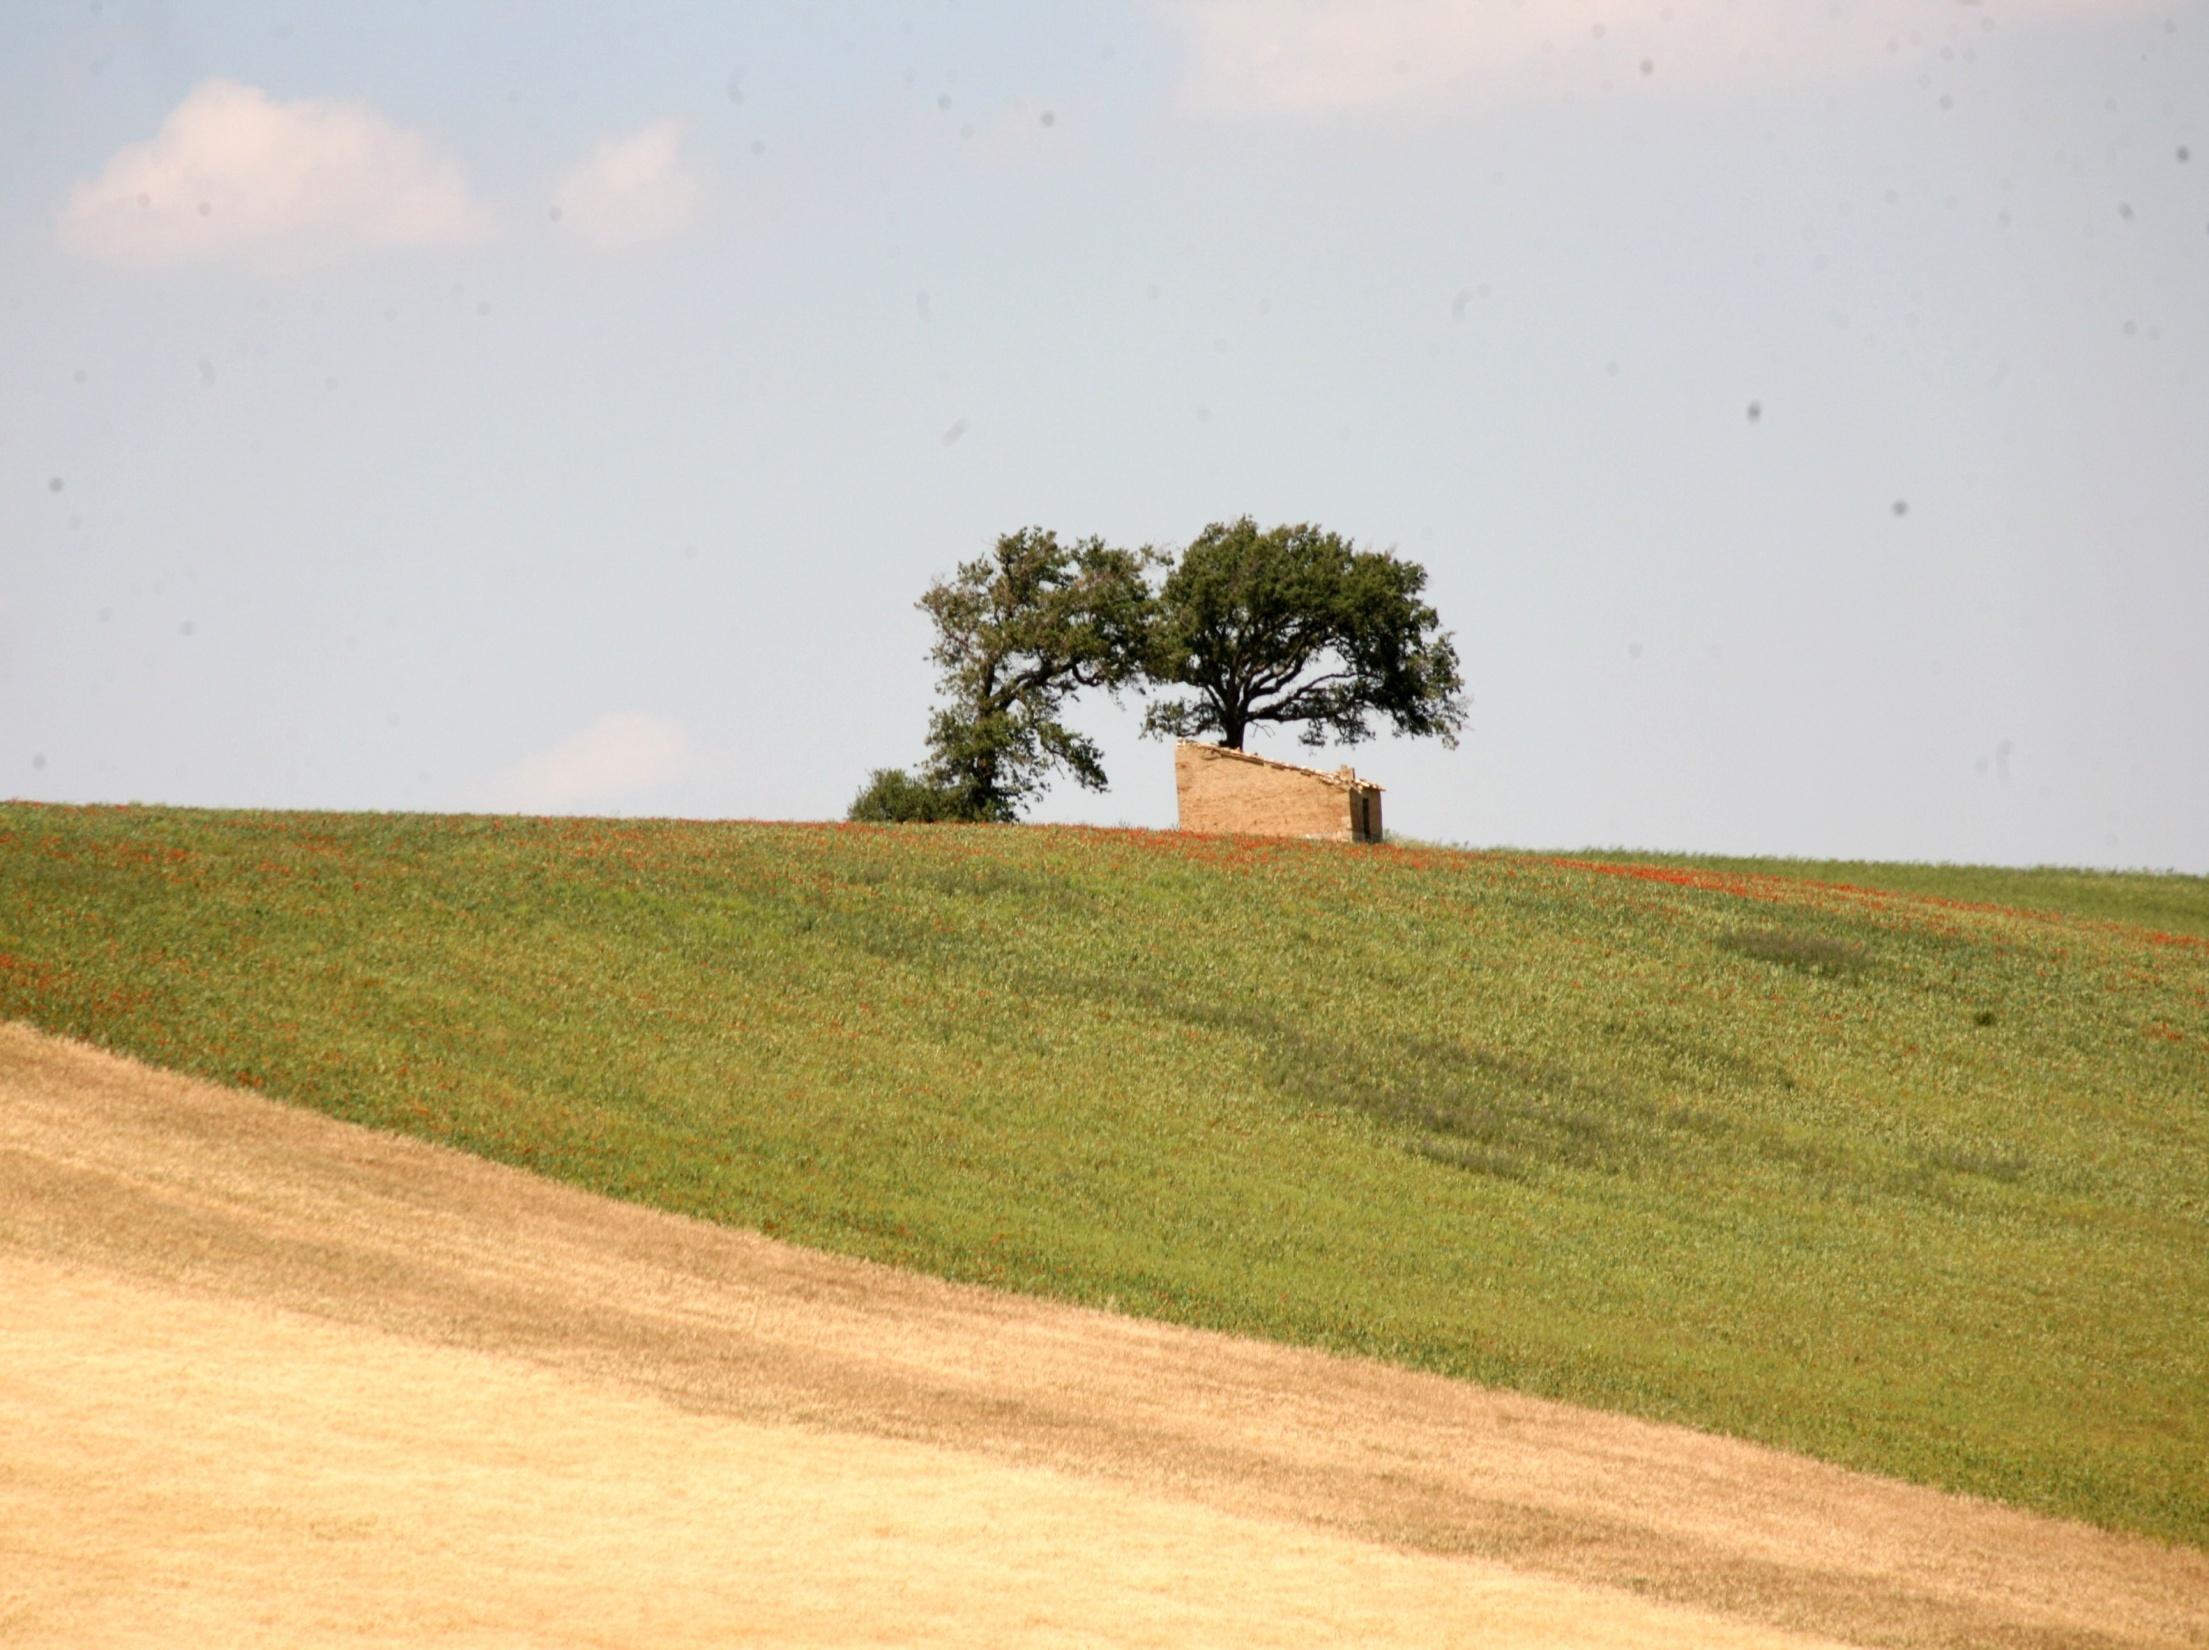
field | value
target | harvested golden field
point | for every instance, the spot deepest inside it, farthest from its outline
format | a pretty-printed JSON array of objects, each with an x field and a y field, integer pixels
[{"x": 266, "y": 1377}]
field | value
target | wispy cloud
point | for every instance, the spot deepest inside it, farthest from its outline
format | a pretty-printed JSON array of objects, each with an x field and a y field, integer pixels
[
  {"x": 630, "y": 191},
  {"x": 237, "y": 176},
  {"x": 1287, "y": 56},
  {"x": 616, "y": 756}
]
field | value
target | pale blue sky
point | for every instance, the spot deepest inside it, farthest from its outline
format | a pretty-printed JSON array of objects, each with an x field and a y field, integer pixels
[{"x": 381, "y": 486}]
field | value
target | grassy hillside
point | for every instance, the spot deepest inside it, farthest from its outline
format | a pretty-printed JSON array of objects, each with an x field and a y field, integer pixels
[
  {"x": 2172, "y": 904},
  {"x": 1910, "y": 1183}
]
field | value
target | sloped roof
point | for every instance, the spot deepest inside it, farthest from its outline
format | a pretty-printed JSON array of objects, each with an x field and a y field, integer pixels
[{"x": 1350, "y": 783}]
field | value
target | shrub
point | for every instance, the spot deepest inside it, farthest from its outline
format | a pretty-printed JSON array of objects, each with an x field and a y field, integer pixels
[{"x": 892, "y": 796}]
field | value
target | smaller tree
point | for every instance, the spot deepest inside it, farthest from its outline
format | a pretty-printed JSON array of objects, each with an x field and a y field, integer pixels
[
  {"x": 1018, "y": 632},
  {"x": 1291, "y": 625}
]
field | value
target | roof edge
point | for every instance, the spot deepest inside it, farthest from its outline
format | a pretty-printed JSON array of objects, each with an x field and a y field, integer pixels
[{"x": 1286, "y": 767}]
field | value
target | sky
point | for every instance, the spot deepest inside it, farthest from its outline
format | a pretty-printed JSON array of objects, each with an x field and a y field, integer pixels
[{"x": 1801, "y": 409}]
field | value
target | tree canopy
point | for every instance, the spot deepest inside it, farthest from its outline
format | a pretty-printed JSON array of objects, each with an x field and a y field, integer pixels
[
  {"x": 1291, "y": 625},
  {"x": 1018, "y": 632}
]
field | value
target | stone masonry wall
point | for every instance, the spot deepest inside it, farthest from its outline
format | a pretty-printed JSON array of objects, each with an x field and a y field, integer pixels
[{"x": 1221, "y": 791}]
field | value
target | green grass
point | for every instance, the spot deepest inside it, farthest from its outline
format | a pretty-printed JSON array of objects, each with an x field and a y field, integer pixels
[
  {"x": 1912, "y": 1185},
  {"x": 2173, "y": 904}
]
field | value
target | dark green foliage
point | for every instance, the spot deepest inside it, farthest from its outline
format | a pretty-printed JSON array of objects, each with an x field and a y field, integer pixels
[
  {"x": 1291, "y": 625},
  {"x": 892, "y": 796},
  {"x": 1018, "y": 632}
]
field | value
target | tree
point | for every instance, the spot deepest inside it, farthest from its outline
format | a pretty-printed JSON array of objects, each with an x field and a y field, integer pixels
[
  {"x": 1292, "y": 625},
  {"x": 1018, "y": 632}
]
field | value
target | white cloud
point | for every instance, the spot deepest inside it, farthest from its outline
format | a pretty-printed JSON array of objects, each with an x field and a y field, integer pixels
[
  {"x": 615, "y": 756},
  {"x": 235, "y": 175},
  {"x": 630, "y": 191},
  {"x": 1254, "y": 56}
]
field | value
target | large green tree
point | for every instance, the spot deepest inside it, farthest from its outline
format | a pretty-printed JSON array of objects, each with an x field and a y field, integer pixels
[
  {"x": 1291, "y": 625},
  {"x": 1019, "y": 632}
]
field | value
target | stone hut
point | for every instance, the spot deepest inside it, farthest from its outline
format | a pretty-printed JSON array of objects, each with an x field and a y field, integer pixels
[{"x": 1235, "y": 793}]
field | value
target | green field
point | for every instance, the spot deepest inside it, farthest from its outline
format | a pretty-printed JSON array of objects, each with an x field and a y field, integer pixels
[
  {"x": 1912, "y": 1177},
  {"x": 2172, "y": 904}
]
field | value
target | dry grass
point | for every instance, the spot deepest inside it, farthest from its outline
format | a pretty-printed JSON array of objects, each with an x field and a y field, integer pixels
[
  {"x": 195, "y": 1471},
  {"x": 268, "y": 1378}
]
